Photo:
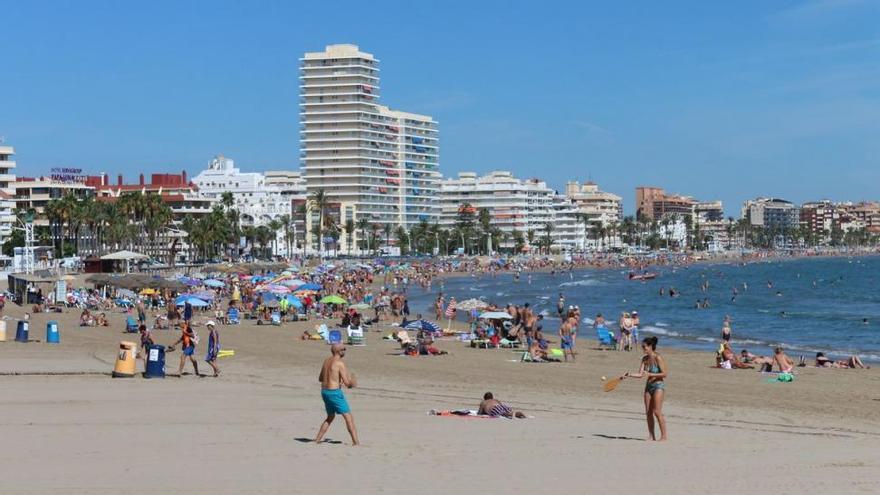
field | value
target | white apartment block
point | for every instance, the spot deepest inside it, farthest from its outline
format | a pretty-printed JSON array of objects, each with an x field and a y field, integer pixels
[
  {"x": 372, "y": 162},
  {"x": 258, "y": 198},
  {"x": 515, "y": 205},
  {"x": 7, "y": 192},
  {"x": 598, "y": 206}
]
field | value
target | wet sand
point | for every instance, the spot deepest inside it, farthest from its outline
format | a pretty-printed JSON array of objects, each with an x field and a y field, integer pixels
[{"x": 69, "y": 428}]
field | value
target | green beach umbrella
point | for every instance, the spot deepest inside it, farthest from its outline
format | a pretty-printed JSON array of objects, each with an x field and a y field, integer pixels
[{"x": 333, "y": 300}]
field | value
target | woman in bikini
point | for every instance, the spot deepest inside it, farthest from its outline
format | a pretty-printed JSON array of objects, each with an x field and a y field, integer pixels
[{"x": 653, "y": 368}]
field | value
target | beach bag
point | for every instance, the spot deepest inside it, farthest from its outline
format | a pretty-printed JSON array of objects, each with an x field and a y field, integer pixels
[{"x": 195, "y": 337}]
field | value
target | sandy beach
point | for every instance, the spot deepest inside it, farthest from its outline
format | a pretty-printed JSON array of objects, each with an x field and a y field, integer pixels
[{"x": 69, "y": 428}]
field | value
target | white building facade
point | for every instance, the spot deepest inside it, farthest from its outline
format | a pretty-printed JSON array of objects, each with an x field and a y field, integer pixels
[
  {"x": 599, "y": 206},
  {"x": 515, "y": 205},
  {"x": 372, "y": 162},
  {"x": 7, "y": 192},
  {"x": 258, "y": 198}
]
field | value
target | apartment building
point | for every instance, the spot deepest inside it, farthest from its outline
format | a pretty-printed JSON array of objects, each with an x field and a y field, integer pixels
[
  {"x": 373, "y": 162},
  {"x": 597, "y": 205}
]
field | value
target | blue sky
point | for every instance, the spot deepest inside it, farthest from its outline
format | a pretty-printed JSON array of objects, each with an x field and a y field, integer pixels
[{"x": 720, "y": 100}]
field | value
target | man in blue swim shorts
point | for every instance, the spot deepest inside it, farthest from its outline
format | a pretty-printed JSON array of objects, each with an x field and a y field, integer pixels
[
  {"x": 334, "y": 375},
  {"x": 566, "y": 340}
]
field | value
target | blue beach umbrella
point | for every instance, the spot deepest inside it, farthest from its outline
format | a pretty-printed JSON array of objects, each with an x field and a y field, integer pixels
[
  {"x": 192, "y": 300},
  {"x": 309, "y": 287},
  {"x": 428, "y": 326},
  {"x": 214, "y": 283}
]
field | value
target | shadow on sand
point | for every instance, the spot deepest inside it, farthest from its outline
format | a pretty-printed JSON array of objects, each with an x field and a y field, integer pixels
[
  {"x": 612, "y": 437},
  {"x": 312, "y": 440}
]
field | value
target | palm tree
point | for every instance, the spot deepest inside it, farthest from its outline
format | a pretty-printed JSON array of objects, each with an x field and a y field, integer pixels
[
  {"x": 349, "y": 232},
  {"x": 363, "y": 224},
  {"x": 530, "y": 236},
  {"x": 597, "y": 232},
  {"x": 227, "y": 200},
  {"x": 548, "y": 240},
  {"x": 387, "y": 230},
  {"x": 402, "y": 238},
  {"x": 286, "y": 232},
  {"x": 319, "y": 202}
]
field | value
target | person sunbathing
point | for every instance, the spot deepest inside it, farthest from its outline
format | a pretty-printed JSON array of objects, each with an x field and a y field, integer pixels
[
  {"x": 85, "y": 319},
  {"x": 853, "y": 362},
  {"x": 490, "y": 406},
  {"x": 728, "y": 356}
]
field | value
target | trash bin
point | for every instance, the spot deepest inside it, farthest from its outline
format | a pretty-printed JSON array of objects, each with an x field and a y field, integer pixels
[
  {"x": 21, "y": 331},
  {"x": 125, "y": 360},
  {"x": 155, "y": 362},
  {"x": 52, "y": 335},
  {"x": 2, "y": 330}
]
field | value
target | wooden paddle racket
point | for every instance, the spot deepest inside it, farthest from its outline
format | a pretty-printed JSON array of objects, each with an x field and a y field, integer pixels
[{"x": 612, "y": 383}]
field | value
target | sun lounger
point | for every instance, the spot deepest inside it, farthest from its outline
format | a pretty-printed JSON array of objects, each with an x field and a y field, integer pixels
[
  {"x": 233, "y": 316},
  {"x": 356, "y": 336}
]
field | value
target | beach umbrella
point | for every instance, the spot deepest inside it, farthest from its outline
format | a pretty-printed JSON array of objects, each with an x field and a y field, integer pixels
[
  {"x": 192, "y": 300},
  {"x": 203, "y": 294},
  {"x": 214, "y": 283},
  {"x": 309, "y": 286},
  {"x": 293, "y": 282},
  {"x": 125, "y": 293},
  {"x": 333, "y": 300},
  {"x": 294, "y": 301},
  {"x": 360, "y": 306},
  {"x": 427, "y": 326},
  {"x": 469, "y": 304},
  {"x": 149, "y": 292},
  {"x": 496, "y": 315}
]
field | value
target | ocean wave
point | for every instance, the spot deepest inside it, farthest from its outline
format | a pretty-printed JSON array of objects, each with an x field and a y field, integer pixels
[
  {"x": 581, "y": 283},
  {"x": 661, "y": 324},
  {"x": 660, "y": 331}
]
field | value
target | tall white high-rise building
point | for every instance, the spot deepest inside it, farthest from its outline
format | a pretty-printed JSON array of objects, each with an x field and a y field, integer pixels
[{"x": 371, "y": 162}]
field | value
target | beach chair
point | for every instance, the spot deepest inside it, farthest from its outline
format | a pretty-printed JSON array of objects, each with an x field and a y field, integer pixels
[
  {"x": 334, "y": 337},
  {"x": 356, "y": 336},
  {"x": 276, "y": 318},
  {"x": 606, "y": 339},
  {"x": 131, "y": 325},
  {"x": 233, "y": 316}
]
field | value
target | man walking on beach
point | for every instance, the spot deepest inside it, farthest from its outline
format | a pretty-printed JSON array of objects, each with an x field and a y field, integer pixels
[{"x": 334, "y": 375}]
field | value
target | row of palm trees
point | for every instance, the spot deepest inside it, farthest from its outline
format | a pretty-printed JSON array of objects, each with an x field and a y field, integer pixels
[
  {"x": 90, "y": 226},
  {"x": 138, "y": 221}
]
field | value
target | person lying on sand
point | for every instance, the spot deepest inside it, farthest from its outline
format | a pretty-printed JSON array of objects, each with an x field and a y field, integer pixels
[
  {"x": 748, "y": 357},
  {"x": 495, "y": 408},
  {"x": 853, "y": 362},
  {"x": 728, "y": 356}
]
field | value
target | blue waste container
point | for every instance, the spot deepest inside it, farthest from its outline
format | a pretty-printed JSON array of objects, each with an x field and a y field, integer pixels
[
  {"x": 52, "y": 335},
  {"x": 21, "y": 331},
  {"x": 155, "y": 362}
]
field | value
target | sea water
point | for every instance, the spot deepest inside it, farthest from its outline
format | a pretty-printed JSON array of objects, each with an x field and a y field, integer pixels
[{"x": 803, "y": 305}]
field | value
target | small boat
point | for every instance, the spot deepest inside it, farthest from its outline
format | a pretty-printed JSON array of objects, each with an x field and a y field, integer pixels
[{"x": 642, "y": 276}]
